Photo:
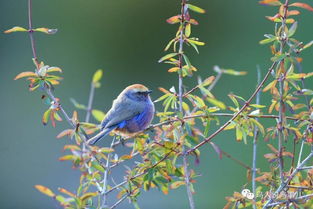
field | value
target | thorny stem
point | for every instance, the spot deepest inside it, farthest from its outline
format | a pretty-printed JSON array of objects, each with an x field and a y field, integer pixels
[
  {"x": 255, "y": 139},
  {"x": 238, "y": 113},
  {"x": 105, "y": 177}
]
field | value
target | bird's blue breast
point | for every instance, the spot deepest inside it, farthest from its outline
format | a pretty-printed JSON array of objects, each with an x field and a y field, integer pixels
[{"x": 139, "y": 122}]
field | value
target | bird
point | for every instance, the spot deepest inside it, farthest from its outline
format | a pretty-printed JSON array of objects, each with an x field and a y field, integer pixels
[{"x": 131, "y": 112}]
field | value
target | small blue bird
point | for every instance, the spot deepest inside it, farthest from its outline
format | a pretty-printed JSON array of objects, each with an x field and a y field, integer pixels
[{"x": 132, "y": 112}]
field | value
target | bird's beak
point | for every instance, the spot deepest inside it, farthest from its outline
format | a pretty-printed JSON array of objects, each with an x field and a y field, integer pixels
[{"x": 149, "y": 91}]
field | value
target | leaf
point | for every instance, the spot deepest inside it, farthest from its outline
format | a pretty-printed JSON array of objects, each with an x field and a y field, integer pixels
[
  {"x": 106, "y": 150},
  {"x": 187, "y": 61},
  {"x": 173, "y": 69},
  {"x": 47, "y": 30},
  {"x": 199, "y": 43},
  {"x": 88, "y": 195},
  {"x": 67, "y": 157},
  {"x": 168, "y": 56},
  {"x": 234, "y": 72},
  {"x": 216, "y": 103},
  {"x": 66, "y": 192},
  {"x": 77, "y": 105},
  {"x": 271, "y": 2},
  {"x": 188, "y": 30},
  {"x": 307, "y": 45},
  {"x": 97, "y": 76},
  {"x": 278, "y": 57},
  {"x": 292, "y": 29},
  {"x": 174, "y": 19},
  {"x": 268, "y": 40},
  {"x": 16, "y": 29},
  {"x": 98, "y": 115},
  {"x": 195, "y": 8},
  {"x": 177, "y": 184},
  {"x": 45, "y": 117},
  {"x": 44, "y": 190},
  {"x": 25, "y": 74},
  {"x": 302, "y": 5},
  {"x": 54, "y": 69},
  {"x": 208, "y": 81},
  {"x": 67, "y": 132}
]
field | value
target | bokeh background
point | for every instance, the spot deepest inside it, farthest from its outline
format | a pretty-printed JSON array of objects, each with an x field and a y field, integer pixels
[{"x": 125, "y": 39}]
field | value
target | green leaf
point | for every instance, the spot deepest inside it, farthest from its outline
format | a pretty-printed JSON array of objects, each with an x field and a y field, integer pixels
[
  {"x": 187, "y": 61},
  {"x": 47, "y": 30},
  {"x": 292, "y": 29},
  {"x": 168, "y": 56},
  {"x": 188, "y": 30},
  {"x": 199, "y": 43},
  {"x": 195, "y": 8},
  {"x": 77, "y": 105},
  {"x": 233, "y": 72},
  {"x": 216, "y": 103},
  {"x": 45, "y": 117},
  {"x": 268, "y": 40},
  {"x": 97, "y": 76},
  {"x": 98, "y": 115},
  {"x": 278, "y": 58}
]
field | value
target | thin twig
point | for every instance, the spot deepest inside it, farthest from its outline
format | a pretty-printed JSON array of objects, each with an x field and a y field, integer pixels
[
  {"x": 291, "y": 200},
  {"x": 119, "y": 201},
  {"x": 90, "y": 101},
  {"x": 105, "y": 177},
  {"x": 255, "y": 139}
]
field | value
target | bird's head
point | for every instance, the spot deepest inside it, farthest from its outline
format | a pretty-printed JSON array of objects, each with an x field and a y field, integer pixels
[{"x": 137, "y": 92}]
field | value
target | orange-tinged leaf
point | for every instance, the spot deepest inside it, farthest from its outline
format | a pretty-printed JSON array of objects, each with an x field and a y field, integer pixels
[
  {"x": 177, "y": 184},
  {"x": 71, "y": 147},
  {"x": 293, "y": 12},
  {"x": 173, "y": 69},
  {"x": 15, "y": 29},
  {"x": 126, "y": 157},
  {"x": 272, "y": 148},
  {"x": 164, "y": 90},
  {"x": 67, "y": 132},
  {"x": 174, "y": 19},
  {"x": 45, "y": 116},
  {"x": 67, "y": 157},
  {"x": 302, "y": 5},
  {"x": 271, "y": 2},
  {"x": 25, "y": 74},
  {"x": 66, "y": 192},
  {"x": 44, "y": 190}
]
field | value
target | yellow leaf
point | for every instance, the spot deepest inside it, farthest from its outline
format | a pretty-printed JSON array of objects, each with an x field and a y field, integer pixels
[
  {"x": 44, "y": 190},
  {"x": 15, "y": 29},
  {"x": 25, "y": 74},
  {"x": 97, "y": 76},
  {"x": 173, "y": 69},
  {"x": 46, "y": 30}
]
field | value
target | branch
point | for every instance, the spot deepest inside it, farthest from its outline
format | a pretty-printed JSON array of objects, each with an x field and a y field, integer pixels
[
  {"x": 105, "y": 177},
  {"x": 255, "y": 140},
  {"x": 291, "y": 200},
  {"x": 238, "y": 113},
  {"x": 90, "y": 100},
  {"x": 285, "y": 183}
]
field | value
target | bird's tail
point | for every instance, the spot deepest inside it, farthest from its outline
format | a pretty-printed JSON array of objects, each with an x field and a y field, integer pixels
[{"x": 100, "y": 135}]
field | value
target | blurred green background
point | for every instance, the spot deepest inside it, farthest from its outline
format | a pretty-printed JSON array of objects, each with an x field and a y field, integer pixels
[{"x": 125, "y": 38}]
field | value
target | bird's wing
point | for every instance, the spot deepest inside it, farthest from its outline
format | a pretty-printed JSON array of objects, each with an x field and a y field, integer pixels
[{"x": 120, "y": 112}]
